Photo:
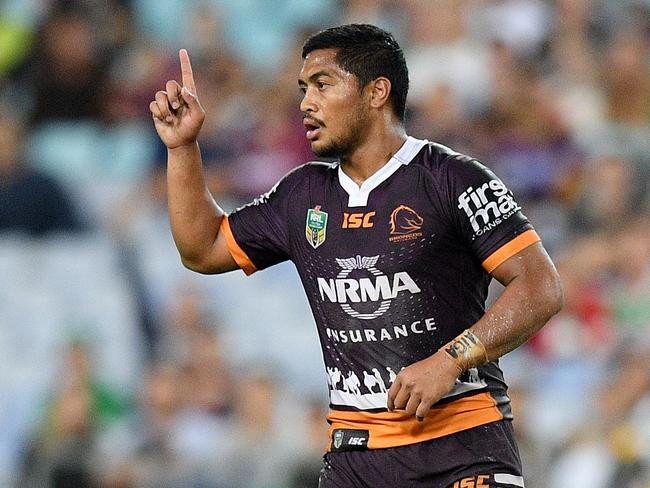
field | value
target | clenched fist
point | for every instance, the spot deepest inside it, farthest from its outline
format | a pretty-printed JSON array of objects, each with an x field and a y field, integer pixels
[{"x": 420, "y": 385}]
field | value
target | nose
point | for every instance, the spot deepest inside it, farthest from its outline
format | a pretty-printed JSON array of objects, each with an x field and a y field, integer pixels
[{"x": 307, "y": 103}]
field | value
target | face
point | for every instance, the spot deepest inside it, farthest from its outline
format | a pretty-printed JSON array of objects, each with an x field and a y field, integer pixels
[{"x": 333, "y": 106}]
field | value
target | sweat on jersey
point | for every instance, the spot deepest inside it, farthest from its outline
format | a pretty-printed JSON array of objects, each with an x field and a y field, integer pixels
[{"x": 393, "y": 270}]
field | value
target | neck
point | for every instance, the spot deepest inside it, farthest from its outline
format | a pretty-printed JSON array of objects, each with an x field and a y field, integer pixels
[{"x": 374, "y": 152}]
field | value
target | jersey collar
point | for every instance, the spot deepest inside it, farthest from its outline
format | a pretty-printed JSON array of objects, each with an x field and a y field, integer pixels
[{"x": 358, "y": 195}]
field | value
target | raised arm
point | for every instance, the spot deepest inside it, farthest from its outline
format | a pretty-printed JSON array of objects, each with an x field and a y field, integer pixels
[
  {"x": 194, "y": 215},
  {"x": 532, "y": 295}
]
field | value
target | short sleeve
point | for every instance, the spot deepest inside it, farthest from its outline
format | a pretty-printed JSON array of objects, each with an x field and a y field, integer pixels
[
  {"x": 257, "y": 233},
  {"x": 485, "y": 212}
]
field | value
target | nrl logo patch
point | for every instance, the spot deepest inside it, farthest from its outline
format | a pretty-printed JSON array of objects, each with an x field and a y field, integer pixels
[
  {"x": 338, "y": 439},
  {"x": 316, "y": 226}
]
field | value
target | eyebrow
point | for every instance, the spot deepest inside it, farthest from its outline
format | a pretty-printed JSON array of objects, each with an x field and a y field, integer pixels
[{"x": 314, "y": 76}]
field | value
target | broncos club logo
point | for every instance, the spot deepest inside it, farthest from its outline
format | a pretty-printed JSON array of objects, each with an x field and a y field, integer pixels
[{"x": 405, "y": 224}]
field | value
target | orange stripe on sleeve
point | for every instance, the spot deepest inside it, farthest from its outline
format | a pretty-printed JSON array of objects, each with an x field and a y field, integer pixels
[
  {"x": 522, "y": 241},
  {"x": 236, "y": 252}
]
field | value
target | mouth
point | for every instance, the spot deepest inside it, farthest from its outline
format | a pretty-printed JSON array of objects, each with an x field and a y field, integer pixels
[{"x": 313, "y": 128}]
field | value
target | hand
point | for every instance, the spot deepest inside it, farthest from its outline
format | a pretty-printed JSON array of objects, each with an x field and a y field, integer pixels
[
  {"x": 177, "y": 113},
  {"x": 422, "y": 384}
]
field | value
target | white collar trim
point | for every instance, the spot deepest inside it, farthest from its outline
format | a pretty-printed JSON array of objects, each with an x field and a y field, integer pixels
[{"x": 358, "y": 195}]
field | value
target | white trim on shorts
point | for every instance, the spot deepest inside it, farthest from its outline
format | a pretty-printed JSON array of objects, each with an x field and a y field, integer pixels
[{"x": 509, "y": 479}]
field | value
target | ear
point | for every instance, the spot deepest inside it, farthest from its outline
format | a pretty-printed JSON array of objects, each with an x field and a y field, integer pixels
[{"x": 380, "y": 89}]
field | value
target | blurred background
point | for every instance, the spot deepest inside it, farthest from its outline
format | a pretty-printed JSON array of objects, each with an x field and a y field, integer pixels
[{"x": 119, "y": 368}]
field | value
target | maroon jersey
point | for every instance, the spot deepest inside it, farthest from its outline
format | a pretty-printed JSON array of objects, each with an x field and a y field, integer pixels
[{"x": 393, "y": 270}]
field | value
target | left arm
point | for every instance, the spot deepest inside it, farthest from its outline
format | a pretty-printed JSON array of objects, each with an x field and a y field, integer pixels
[{"x": 533, "y": 294}]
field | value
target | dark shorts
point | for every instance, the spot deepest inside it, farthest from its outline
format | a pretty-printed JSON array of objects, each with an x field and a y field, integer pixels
[{"x": 482, "y": 457}]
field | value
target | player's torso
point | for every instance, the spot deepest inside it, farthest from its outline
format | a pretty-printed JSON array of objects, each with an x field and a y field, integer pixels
[{"x": 386, "y": 275}]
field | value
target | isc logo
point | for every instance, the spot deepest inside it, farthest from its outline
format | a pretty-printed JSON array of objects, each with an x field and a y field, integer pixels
[
  {"x": 473, "y": 482},
  {"x": 357, "y": 441},
  {"x": 358, "y": 220}
]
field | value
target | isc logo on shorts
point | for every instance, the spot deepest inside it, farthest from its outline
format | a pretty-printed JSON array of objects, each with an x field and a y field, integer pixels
[
  {"x": 349, "y": 440},
  {"x": 483, "y": 481},
  {"x": 480, "y": 481}
]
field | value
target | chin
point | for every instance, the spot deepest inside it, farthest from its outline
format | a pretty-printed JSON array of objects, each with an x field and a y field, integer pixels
[{"x": 324, "y": 150}]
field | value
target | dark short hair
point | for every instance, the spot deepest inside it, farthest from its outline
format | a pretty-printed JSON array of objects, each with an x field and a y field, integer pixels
[{"x": 367, "y": 52}]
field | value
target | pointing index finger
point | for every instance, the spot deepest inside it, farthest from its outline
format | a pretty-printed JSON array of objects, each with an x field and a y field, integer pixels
[{"x": 186, "y": 71}]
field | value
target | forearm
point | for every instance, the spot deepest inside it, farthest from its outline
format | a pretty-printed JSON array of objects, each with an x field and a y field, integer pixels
[
  {"x": 533, "y": 294},
  {"x": 194, "y": 215}
]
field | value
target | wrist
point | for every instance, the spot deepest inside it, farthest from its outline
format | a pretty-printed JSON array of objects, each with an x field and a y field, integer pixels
[
  {"x": 183, "y": 148},
  {"x": 466, "y": 350},
  {"x": 450, "y": 364}
]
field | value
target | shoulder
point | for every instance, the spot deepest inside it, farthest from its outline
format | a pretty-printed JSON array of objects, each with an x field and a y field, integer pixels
[
  {"x": 438, "y": 157},
  {"x": 312, "y": 169},
  {"x": 446, "y": 165},
  {"x": 317, "y": 168},
  {"x": 305, "y": 175}
]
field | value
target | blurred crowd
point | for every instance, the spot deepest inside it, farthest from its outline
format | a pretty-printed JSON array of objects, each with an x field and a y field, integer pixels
[{"x": 122, "y": 369}]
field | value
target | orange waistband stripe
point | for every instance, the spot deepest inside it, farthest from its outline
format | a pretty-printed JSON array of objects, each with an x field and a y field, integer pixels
[
  {"x": 391, "y": 429},
  {"x": 519, "y": 243},
  {"x": 237, "y": 253}
]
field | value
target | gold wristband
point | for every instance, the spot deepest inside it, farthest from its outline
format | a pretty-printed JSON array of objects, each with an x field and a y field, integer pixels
[{"x": 466, "y": 350}]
